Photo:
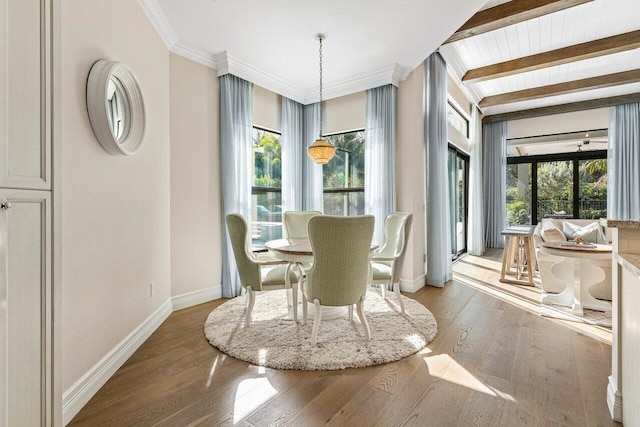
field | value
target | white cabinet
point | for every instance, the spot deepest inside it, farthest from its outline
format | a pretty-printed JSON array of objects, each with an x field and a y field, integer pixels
[
  {"x": 25, "y": 94},
  {"x": 27, "y": 391},
  {"x": 25, "y": 307}
]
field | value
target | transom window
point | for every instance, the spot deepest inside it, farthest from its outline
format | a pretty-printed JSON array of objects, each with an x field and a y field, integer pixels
[
  {"x": 457, "y": 120},
  {"x": 343, "y": 176}
]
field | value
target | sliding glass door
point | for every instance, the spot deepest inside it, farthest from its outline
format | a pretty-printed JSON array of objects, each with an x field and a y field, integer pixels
[
  {"x": 563, "y": 185},
  {"x": 458, "y": 196}
]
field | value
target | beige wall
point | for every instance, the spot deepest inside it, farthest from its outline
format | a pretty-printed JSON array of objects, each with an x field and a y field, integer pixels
[
  {"x": 344, "y": 113},
  {"x": 196, "y": 206},
  {"x": 559, "y": 123},
  {"x": 410, "y": 172},
  {"x": 115, "y": 209},
  {"x": 459, "y": 99},
  {"x": 266, "y": 108},
  {"x": 457, "y": 94}
]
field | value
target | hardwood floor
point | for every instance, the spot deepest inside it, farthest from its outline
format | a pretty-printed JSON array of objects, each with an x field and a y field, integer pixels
[{"x": 492, "y": 363}]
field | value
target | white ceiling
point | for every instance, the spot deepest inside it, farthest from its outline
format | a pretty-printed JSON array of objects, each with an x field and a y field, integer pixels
[
  {"x": 271, "y": 43},
  {"x": 579, "y": 24}
]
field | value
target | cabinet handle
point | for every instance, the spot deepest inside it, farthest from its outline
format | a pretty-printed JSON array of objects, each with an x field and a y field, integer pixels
[{"x": 6, "y": 206}]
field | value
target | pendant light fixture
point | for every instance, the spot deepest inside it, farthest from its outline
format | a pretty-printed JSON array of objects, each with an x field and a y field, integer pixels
[{"x": 321, "y": 151}]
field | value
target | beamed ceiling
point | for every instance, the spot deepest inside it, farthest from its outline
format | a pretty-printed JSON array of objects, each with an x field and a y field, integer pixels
[{"x": 527, "y": 58}]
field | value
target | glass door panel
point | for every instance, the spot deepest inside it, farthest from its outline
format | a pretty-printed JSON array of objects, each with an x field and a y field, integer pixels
[
  {"x": 461, "y": 205},
  {"x": 519, "y": 194},
  {"x": 555, "y": 189},
  {"x": 458, "y": 172},
  {"x": 592, "y": 200}
]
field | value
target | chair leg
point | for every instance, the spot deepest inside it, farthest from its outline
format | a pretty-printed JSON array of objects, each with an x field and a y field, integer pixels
[
  {"x": 251, "y": 301},
  {"x": 304, "y": 309},
  {"x": 294, "y": 292},
  {"x": 396, "y": 290},
  {"x": 287, "y": 285},
  {"x": 316, "y": 323},
  {"x": 383, "y": 290},
  {"x": 350, "y": 312},
  {"x": 363, "y": 320}
]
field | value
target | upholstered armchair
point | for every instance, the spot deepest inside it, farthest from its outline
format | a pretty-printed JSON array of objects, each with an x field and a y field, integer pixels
[
  {"x": 386, "y": 263},
  {"x": 255, "y": 275},
  {"x": 340, "y": 270},
  {"x": 296, "y": 223}
]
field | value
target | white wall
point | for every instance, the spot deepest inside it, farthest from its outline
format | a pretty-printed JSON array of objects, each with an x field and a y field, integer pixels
[
  {"x": 196, "y": 202},
  {"x": 559, "y": 123},
  {"x": 115, "y": 209}
]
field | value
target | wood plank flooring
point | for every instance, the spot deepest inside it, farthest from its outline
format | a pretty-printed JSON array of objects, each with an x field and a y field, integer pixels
[{"x": 492, "y": 363}]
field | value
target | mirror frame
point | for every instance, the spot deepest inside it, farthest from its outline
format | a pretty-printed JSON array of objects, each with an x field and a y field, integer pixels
[{"x": 97, "y": 84}]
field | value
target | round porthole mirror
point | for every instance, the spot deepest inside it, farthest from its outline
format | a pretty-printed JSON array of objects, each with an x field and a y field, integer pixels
[{"x": 116, "y": 109}]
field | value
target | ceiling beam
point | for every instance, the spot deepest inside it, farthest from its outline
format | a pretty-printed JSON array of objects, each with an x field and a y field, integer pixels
[
  {"x": 509, "y": 13},
  {"x": 598, "y": 82},
  {"x": 563, "y": 108},
  {"x": 565, "y": 55}
]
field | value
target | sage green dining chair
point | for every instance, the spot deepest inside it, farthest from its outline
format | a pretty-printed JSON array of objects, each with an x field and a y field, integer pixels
[
  {"x": 340, "y": 270},
  {"x": 386, "y": 262},
  {"x": 255, "y": 275},
  {"x": 296, "y": 223}
]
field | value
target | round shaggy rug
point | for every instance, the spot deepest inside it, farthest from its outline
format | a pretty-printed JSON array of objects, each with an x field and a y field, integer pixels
[{"x": 272, "y": 339}]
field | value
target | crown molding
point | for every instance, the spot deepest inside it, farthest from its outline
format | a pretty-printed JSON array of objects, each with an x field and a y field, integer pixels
[
  {"x": 226, "y": 64},
  {"x": 391, "y": 74},
  {"x": 195, "y": 54},
  {"x": 160, "y": 22}
]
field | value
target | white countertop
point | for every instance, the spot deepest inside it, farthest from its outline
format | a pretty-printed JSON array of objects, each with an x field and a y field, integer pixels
[
  {"x": 630, "y": 261},
  {"x": 618, "y": 223}
]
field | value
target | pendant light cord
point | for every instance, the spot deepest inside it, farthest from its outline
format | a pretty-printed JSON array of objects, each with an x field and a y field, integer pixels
[{"x": 320, "y": 37}]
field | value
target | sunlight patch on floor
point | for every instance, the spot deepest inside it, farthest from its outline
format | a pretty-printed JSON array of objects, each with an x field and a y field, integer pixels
[
  {"x": 416, "y": 340},
  {"x": 445, "y": 367},
  {"x": 250, "y": 395},
  {"x": 211, "y": 372}
]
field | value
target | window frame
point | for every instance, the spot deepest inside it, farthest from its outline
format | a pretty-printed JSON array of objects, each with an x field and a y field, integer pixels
[
  {"x": 458, "y": 110},
  {"x": 574, "y": 157},
  {"x": 340, "y": 190}
]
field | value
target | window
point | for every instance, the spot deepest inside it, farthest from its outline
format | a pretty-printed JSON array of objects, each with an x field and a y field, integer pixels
[
  {"x": 562, "y": 185},
  {"x": 266, "y": 190},
  {"x": 343, "y": 176},
  {"x": 457, "y": 120}
]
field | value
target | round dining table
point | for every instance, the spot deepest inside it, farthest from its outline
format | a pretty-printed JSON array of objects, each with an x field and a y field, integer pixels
[{"x": 578, "y": 273}]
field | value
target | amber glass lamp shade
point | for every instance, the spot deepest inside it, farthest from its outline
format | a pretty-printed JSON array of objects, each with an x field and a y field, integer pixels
[{"x": 321, "y": 151}]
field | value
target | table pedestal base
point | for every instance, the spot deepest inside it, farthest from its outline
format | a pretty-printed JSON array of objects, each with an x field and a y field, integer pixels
[{"x": 579, "y": 274}]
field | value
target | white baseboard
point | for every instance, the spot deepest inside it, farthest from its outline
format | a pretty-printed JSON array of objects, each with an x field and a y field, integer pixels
[
  {"x": 412, "y": 285},
  {"x": 614, "y": 400},
  {"x": 196, "y": 297},
  {"x": 76, "y": 396}
]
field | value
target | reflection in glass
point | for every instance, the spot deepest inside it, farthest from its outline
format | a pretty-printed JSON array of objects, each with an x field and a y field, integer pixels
[
  {"x": 555, "y": 189},
  {"x": 343, "y": 176},
  {"x": 266, "y": 191},
  {"x": 519, "y": 194},
  {"x": 116, "y": 111},
  {"x": 593, "y": 188}
]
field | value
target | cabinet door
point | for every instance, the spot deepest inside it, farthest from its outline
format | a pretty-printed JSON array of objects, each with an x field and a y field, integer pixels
[
  {"x": 25, "y": 308},
  {"x": 25, "y": 94}
]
